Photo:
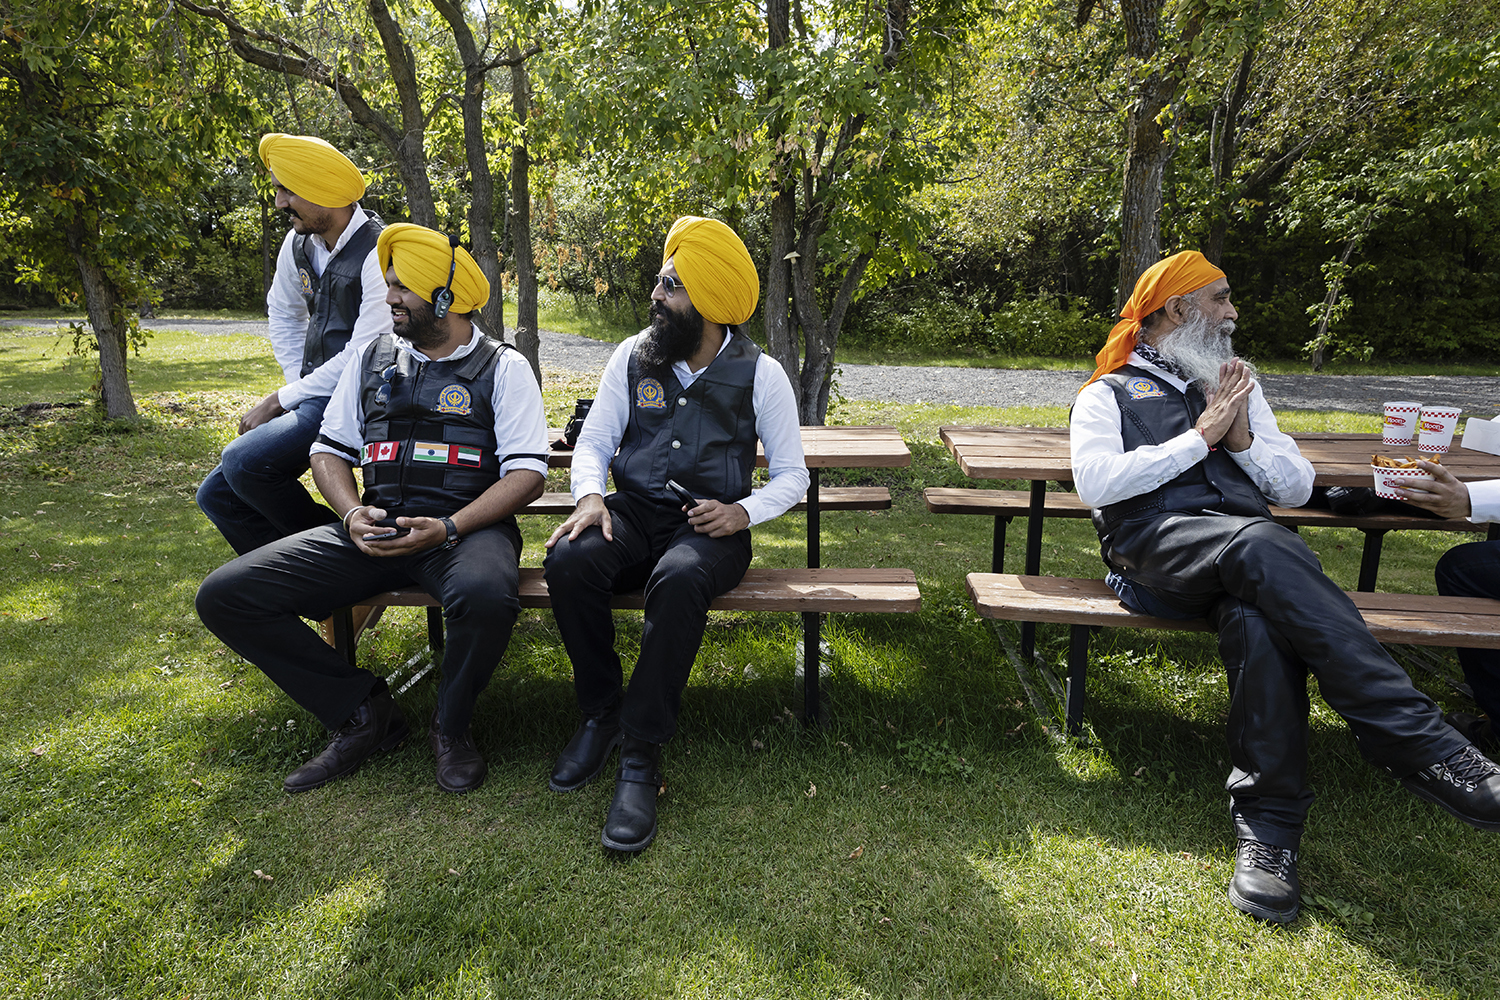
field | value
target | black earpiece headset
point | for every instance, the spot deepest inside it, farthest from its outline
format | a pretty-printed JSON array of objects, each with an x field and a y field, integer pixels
[{"x": 442, "y": 298}]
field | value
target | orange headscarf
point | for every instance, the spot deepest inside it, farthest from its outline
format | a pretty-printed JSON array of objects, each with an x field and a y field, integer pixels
[{"x": 1178, "y": 274}]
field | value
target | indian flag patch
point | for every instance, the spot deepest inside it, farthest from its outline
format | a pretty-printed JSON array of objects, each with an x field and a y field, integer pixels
[{"x": 426, "y": 451}]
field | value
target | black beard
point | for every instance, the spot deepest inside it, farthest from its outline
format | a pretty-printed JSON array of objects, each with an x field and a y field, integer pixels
[
  {"x": 422, "y": 329},
  {"x": 673, "y": 337}
]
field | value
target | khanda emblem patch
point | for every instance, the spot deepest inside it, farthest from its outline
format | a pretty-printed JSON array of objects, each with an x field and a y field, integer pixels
[
  {"x": 649, "y": 395},
  {"x": 454, "y": 399},
  {"x": 1141, "y": 387}
]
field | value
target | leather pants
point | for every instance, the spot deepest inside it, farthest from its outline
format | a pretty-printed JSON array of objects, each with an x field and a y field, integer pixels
[{"x": 1278, "y": 616}]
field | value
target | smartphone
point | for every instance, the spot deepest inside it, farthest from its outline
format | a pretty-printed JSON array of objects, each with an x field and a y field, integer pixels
[
  {"x": 682, "y": 494},
  {"x": 396, "y": 530}
]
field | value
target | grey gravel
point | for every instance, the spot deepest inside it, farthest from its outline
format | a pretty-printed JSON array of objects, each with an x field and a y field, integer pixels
[{"x": 562, "y": 352}]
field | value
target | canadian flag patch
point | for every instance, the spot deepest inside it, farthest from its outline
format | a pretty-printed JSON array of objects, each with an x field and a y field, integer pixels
[{"x": 381, "y": 451}]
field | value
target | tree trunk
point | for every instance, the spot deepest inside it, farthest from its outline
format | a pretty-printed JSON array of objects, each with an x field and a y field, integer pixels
[
  {"x": 528, "y": 341},
  {"x": 781, "y": 333},
  {"x": 410, "y": 148},
  {"x": 1225, "y": 146},
  {"x": 102, "y": 299},
  {"x": 1146, "y": 147},
  {"x": 481, "y": 180}
]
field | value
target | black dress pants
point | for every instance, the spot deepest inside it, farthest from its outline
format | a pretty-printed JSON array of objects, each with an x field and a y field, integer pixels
[
  {"x": 682, "y": 572},
  {"x": 1279, "y": 616},
  {"x": 1473, "y": 570},
  {"x": 256, "y": 604}
]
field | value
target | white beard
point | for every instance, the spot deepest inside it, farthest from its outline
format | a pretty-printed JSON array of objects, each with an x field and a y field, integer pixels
[{"x": 1199, "y": 351}]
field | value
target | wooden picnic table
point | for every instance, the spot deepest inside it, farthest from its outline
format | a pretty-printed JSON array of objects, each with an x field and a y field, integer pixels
[{"x": 1041, "y": 454}]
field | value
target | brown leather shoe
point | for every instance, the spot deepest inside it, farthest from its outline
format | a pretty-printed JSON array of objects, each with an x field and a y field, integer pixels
[
  {"x": 377, "y": 724},
  {"x": 460, "y": 768}
]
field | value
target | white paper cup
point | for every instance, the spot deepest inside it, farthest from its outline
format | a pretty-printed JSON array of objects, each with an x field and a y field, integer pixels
[
  {"x": 1388, "y": 481},
  {"x": 1435, "y": 427},
  {"x": 1400, "y": 424}
]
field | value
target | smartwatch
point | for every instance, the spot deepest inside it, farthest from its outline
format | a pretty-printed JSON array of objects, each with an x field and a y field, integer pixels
[{"x": 453, "y": 537}]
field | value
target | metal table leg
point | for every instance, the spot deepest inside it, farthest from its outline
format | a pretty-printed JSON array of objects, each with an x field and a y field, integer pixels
[
  {"x": 812, "y": 621},
  {"x": 1369, "y": 560},
  {"x": 1033, "y": 555}
]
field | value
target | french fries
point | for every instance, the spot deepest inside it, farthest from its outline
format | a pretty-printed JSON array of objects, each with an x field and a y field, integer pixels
[{"x": 1383, "y": 462}]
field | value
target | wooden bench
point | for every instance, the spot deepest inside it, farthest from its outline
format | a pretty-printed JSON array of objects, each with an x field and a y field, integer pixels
[
  {"x": 837, "y": 498},
  {"x": 1003, "y": 505},
  {"x": 1413, "y": 619},
  {"x": 796, "y": 590}
]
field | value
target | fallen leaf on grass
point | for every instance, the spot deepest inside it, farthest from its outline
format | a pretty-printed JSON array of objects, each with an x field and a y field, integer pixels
[
  {"x": 228, "y": 684},
  {"x": 857, "y": 852},
  {"x": 452, "y": 871},
  {"x": 38, "y": 750},
  {"x": 757, "y": 745},
  {"x": 263, "y": 876},
  {"x": 1015, "y": 729},
  {"x": 661, "y": 789},
  {"x": 885, "y": 921},
  {"x": 196, "y": 782},
  {"x": 1138, "y": 771},
  {"x": 812, "y": 790}
]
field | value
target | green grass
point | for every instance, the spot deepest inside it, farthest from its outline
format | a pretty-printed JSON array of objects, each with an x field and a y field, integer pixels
[{"x": 929, "y": 841}]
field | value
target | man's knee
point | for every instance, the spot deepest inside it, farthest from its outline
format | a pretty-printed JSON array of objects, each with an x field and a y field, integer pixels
[
  {"x": 220, "y": 597},
  {"x": 572, "y": 563},
  {"x": 1469, "y": 570}
]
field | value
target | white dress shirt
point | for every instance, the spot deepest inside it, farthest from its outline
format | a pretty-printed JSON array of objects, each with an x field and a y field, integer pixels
[
  {"x": 1105, "y": 473},
  {"x": 775, "y": 424},
  {"x": 288, "y": 314},
  {"x": 1484, "y": 501},
  {"x": 520, "y": 419}
]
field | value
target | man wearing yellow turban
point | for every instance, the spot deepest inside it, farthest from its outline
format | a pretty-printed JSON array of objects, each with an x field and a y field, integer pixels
[
  {"x": 326, "y": 303},
  {"x": 680, "y": 407},
  {"x": 1175, "y": 448},
  {"x": 449, "y": 432}
]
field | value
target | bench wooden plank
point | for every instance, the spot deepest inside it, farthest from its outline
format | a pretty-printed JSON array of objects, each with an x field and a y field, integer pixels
[
  {"x": 1016, "y": 503},
  {"x": 829, "y": 498},
  {"x": 798, "y": 590},
  {"x": 1413, "y": 619}
]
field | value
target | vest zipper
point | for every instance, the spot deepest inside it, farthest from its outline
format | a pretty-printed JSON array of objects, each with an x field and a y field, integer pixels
[{"x": 411, "y": 437}]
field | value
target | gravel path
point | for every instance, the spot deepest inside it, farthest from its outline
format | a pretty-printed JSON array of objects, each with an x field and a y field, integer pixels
[{"x": 564, "y": 352}]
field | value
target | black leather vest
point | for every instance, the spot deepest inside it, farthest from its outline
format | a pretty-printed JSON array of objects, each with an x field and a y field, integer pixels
[
  {"x": 1153, "y": 411},
  {"x": 702, "y": 436},
  {"x": 429, "y": 429},
  {"x": 334, "y": 297}
]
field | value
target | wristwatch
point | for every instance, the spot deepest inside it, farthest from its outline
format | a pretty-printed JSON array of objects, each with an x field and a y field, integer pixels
[{"x": 453, "y": 538}]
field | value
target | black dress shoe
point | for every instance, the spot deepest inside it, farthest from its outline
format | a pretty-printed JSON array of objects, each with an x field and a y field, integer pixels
[
  {"x": 377, "y": 724},
  {"x": 1466, "y": 783},
  {"x": 460, "y": 768},
  {"x": 587, "y": 752},
  {"x": 1265, "y": 882},
  {"x": 630, "y": 825},
  {"x": 1477, "y": 729}
]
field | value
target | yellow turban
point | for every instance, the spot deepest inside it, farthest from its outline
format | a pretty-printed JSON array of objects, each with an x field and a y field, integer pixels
[
  {"x": 312, "y": 169},
  {"x": 715, "y": 269},
  {"x": 1178, "y": 274},
  {"x": 422, "y": 257}
]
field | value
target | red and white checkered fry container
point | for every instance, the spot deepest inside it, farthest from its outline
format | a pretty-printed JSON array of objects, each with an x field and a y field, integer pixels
[{"x": 1388, "y": 481}]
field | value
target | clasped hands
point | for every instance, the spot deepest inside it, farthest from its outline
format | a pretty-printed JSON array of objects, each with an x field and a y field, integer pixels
[
  {"x": 710, "y": 517},
  {"x": 1227, "y": 417}
]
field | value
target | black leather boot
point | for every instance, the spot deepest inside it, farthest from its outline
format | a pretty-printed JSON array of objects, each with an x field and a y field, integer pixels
[
  {"x": 1466, "y": 783},
  {"x": 588, "y": 751},
  {"x": 1265, "y": 882},
  {"x": 377, "y": 724},
  {"x": 631, "y": 823},
  {"x": 460, "y": 768}
]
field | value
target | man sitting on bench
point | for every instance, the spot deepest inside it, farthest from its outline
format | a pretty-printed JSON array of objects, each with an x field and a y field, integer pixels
[
  {"x": 681, "y": 403},
  {"x": 1175, "y": 448},
  {"x": 448, "y": 428}
]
